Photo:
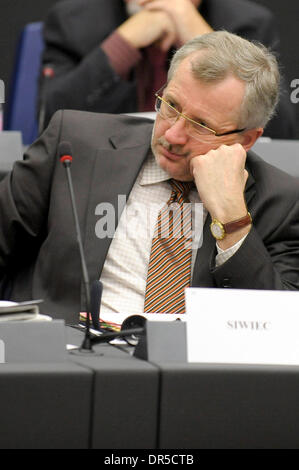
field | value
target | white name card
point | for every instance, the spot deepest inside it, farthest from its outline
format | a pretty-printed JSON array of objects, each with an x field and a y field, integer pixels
[{"x": 242, "y": 326}]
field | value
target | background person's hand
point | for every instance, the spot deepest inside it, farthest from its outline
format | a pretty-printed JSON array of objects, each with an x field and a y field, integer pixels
[
  {"x": 148, "y": 27},
  {"x": 187, "y": 20}
]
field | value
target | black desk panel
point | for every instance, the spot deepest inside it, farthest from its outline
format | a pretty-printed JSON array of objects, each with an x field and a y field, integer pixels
[
  {"x": 108, "y": 399},
  {"x": 104, "y": 399},
  {"x": 125, "y": 399},
  {"x": 45, "y": 406},
  {"x": 211, "y": 407}
]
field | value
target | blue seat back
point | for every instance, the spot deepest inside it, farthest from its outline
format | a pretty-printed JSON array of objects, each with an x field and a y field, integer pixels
[{"x": 21, "y": 111}]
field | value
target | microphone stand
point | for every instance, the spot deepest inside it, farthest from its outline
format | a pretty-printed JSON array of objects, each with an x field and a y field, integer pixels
[
  {"x": 133, "y": 325},
  {"x": 106, "y": 337},
  {"x": 86, "y": 345}
]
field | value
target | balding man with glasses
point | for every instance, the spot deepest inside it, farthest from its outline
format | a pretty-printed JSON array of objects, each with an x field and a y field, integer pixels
[{"x": 183, "y": 202}]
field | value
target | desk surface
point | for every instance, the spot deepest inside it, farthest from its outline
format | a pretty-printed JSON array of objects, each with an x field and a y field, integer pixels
[
  {"x": 45, "y": 406},
  {"x": 125, "y": 408},
  {"x": 105, "y": 399},
  {"x": 111, "y": 400},
  {"x": 10, "y": 150},
  {"x": 281, "y": 153},
  {"x": 228, "y": 407}
]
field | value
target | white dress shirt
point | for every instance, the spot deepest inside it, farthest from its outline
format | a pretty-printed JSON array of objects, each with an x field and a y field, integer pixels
[{"x": 124, "y": 273}]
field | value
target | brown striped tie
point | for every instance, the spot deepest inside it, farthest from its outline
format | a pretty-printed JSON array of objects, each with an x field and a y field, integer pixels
[{"x": 169, "y": 270}]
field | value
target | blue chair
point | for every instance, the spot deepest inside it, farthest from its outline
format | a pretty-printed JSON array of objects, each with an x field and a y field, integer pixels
[{"x": 21, "y": 111}]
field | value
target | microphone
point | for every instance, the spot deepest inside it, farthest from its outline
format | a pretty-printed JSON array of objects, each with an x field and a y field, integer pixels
[
  {"x": 95, "y": 302},
  {"x": 65, "y": 155},
  {"x": 133, "y": 333}
]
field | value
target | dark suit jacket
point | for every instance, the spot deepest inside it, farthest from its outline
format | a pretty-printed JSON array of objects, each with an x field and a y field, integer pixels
[
  {"x": 38, "y": 248},
  {"x": 84, "y": 79}
]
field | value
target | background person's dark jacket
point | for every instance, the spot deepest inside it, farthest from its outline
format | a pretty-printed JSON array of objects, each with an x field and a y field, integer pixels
[{"x": 84, "y": 79}]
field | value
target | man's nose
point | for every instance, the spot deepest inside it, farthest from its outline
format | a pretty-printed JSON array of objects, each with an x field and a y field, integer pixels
[{"x": 177, "y": 132}]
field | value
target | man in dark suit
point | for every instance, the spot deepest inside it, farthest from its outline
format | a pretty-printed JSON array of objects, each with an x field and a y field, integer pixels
[
  {"x": 97, "y": 58},
  {"x": 208, "y": 118}
]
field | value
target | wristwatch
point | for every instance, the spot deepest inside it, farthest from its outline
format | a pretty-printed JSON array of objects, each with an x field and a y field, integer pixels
[{"x": 219, "y": 230}]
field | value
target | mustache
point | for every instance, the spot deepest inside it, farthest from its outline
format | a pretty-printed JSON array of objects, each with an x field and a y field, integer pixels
[{"x": 177, "y": 149}]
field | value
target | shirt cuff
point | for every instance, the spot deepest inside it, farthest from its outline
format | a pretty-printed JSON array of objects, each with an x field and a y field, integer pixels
[
  {"x": 122, "y": 56},
  {"x": 224, "y": 255}
]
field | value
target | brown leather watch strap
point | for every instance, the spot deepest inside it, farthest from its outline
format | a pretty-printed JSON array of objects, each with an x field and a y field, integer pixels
[{"x": 235, "y": 225}]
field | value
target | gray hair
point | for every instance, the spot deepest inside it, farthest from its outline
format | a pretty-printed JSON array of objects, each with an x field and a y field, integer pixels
[{"x": 228, "y": 54}]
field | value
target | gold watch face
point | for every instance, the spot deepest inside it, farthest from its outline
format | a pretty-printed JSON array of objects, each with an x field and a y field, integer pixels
[{"x": 217, "y": 230}]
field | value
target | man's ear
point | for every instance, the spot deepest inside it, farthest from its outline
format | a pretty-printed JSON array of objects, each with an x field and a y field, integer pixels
[{"x": 248, "y": 138}]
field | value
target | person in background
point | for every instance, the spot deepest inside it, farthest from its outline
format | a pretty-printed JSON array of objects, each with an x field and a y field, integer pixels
[{"x": 111, "y": 56}]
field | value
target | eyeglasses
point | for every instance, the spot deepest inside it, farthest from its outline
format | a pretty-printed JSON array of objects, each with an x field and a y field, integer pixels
[{"x": 194, "y": 129}]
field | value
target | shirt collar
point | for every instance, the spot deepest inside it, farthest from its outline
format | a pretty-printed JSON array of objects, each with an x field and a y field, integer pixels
[{"x": 151, "y": 173}]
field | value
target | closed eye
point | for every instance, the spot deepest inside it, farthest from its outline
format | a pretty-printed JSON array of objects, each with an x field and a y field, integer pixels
[{"x": 171, "y": 103}]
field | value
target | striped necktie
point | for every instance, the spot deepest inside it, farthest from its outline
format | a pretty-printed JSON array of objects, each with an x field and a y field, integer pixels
[{"x": 169, "y": 270}]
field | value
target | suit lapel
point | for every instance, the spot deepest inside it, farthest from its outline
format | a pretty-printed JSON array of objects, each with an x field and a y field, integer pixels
[{"x": 115, "y": 171}]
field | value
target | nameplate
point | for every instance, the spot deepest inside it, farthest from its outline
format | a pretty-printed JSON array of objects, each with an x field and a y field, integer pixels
[
  {"x": 32, "y": 342},
  {"x": 164, "y": 341},
  {"x": 242, "y": 326}
]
